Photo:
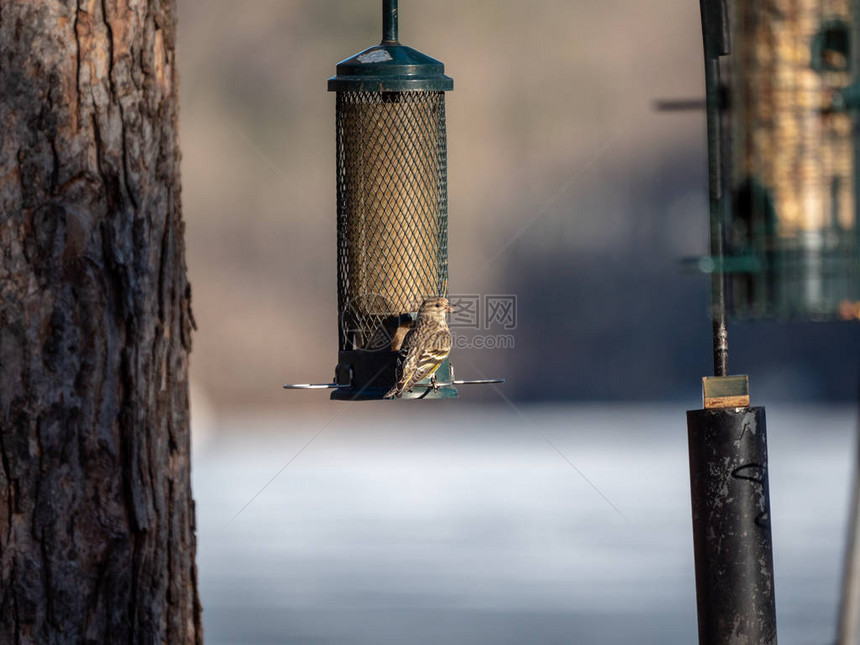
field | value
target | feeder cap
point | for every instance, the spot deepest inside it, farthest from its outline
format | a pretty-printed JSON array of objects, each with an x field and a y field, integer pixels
[{"x": 390, "y": 67}]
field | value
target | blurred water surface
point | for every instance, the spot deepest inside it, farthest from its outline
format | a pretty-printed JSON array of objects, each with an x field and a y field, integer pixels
[{"x": 444, "y": 524}]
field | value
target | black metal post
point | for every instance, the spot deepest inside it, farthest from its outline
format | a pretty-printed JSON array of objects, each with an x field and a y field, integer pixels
[
  {"x": 389, "y": 22},
  {"x": 728, "y": 445},
  {"x": 731, "y": 526}
]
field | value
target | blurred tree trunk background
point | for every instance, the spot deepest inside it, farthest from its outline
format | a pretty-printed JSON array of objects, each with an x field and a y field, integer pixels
[{"x": 97, "y": 535}]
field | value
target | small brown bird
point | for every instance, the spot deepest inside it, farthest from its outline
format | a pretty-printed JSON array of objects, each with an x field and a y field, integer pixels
[{"x": 426, "y": 345}]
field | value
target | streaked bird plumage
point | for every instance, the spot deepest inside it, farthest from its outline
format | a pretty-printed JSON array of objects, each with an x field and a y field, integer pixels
[{"x": 427, "y": 345}]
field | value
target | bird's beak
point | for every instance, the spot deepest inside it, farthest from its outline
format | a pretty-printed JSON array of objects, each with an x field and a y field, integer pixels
[{"x": 450, "y": 308}]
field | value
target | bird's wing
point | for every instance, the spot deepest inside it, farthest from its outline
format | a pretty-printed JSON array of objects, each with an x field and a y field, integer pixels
[
  {"x": 424, "y": 361},
  {"x": 409, "y": 339},
  {"x": 429, "y": 360}
]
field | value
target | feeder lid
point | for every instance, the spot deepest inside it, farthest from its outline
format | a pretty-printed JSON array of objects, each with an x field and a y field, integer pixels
[{"x": 390, "y": 67}]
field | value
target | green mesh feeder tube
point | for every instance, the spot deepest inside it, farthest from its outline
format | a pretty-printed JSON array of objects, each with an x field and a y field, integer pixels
[
  {"x": 392, "y": 208},
  {"x": 392, "y": 214},
  {"x": 792, "y": 240}
]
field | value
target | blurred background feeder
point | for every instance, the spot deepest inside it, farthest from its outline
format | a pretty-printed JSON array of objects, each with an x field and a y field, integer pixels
[
  {"x": 792, "y": 235},
  {"x": 392, "y": 207}
]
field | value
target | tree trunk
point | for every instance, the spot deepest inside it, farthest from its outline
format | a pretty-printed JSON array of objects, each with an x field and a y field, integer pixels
[{"x": 97, "y": 539}]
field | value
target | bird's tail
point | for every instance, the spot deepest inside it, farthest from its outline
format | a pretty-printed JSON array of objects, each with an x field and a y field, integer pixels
[{"x": 394, "y": 393}]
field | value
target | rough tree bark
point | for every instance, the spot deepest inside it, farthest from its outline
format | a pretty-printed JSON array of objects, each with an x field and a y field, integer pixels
[{"x": 97, "y": 539}]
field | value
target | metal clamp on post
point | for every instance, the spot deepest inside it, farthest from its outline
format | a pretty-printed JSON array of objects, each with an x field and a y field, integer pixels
[{"x": 725, "y": 392}]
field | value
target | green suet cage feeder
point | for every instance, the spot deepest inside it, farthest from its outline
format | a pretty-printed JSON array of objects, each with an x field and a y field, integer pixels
[{"x": 792, "y": 240}]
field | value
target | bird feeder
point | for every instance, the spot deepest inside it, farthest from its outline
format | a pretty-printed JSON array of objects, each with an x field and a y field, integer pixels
[
  {"x": 792, "y": 240},
  {"x": 392, "y": 205},
  {"x": 392, "y": 211}
]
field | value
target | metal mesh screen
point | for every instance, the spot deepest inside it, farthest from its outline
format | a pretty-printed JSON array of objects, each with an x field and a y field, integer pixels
[
  {"x": 792, "y": 238},
  {"x": 392, "y": 210}
]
